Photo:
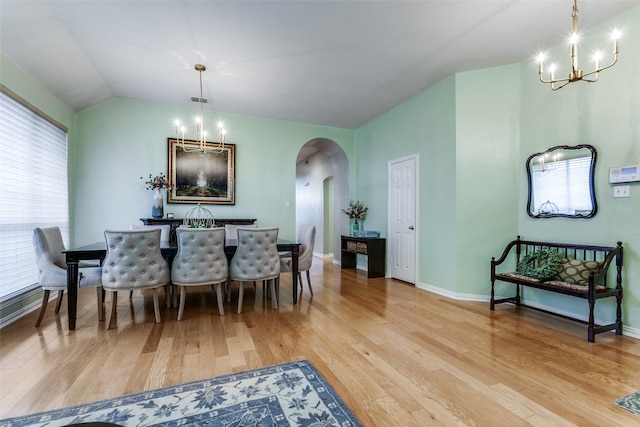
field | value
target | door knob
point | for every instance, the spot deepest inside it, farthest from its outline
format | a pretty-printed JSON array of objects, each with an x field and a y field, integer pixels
[{"x": 411, "y": 227}]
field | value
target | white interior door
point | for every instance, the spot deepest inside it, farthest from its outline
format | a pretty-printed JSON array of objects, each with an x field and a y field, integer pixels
[{"x": 402, "y": 218}]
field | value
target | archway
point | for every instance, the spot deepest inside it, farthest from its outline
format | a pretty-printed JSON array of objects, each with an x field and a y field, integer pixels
[{"x": 322, "y": 186}]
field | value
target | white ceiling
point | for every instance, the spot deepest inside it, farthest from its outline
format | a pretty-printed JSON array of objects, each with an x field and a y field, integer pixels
[{"x": 337, "y": 63}]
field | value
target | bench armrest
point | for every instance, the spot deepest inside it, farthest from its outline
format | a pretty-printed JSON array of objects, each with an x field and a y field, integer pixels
[
  {"x": 503, "y": 257},
  {"x": 599, "y": 278}
]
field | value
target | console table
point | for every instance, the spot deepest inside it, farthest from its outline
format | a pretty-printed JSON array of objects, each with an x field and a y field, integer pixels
[
  {"x": 177, "y": 222},
  {"x": 373, "y": 247}
]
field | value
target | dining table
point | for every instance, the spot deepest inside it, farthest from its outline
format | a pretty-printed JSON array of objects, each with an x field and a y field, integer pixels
[{"x": 98, "y": 251}]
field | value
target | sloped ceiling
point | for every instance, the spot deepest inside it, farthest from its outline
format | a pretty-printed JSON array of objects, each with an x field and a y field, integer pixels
[{"x": 337, "y": 63}]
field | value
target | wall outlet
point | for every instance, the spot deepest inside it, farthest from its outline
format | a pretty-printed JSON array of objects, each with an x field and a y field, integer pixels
[{"x": 622, "y": 191}]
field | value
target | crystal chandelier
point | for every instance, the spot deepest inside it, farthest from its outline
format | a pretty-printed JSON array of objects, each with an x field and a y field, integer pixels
[
  {"x": 577, "y": 74},
  {"x": 201, "y": 134}
]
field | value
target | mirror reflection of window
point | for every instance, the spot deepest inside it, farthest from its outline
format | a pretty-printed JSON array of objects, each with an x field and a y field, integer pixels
[{"x": 560, "y": 182}]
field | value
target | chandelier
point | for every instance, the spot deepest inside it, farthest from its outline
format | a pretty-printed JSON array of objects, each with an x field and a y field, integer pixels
[
  {"x": 544, "y": 165},
  {"x": 201, "y": 133},
  {"x": 577, "y": 74}
]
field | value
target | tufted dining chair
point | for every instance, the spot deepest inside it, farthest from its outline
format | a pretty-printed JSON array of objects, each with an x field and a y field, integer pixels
[
  {"x": 133, "y": 261},
  {"x": 231, "y": 230},
  {"x": 256, "y": 258},
  {"x": 165, "y": 230},
  {"x": 307, "y": 239},
  {"x": 200, "y": 261},
  {"x": 231, "y": 235},
  {"x": 52, "y": 270},
  {"x": 165, "y": 237}
]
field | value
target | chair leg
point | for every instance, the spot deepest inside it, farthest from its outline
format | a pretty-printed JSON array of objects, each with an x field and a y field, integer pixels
[
  {"x": 45, "y": 300},
  {"x": 174, "y": 291},
  {"x": 300, "y": 280},
  {"x": 309, "y": 282},
  {"x": 112, "y": 313},
  {"x": 274, "y": 297},
  {"x": 227, "y": 286},
  {"x": 219, "y": 297},
  {"x": 182, "y": 298},
  {"x": 99, "y": 296},
  {"x": 240, "y": 295},
  {"x": 156, "y": 305},
  {"x": 59, "y": 301}
]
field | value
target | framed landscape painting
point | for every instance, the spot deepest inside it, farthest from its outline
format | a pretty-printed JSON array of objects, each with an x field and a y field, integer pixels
[{"x": 196, "y": 176}]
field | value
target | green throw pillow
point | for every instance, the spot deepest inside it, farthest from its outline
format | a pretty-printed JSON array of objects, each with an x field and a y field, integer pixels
[{"x": 543, "y": 264}]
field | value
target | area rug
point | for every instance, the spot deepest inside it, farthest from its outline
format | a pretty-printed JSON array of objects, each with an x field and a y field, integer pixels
[
  {"x": 630, "y": 403},
  {"x": 291, "y": 394}
]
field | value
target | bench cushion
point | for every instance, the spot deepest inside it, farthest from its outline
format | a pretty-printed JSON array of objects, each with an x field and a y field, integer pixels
[
  {"x": 576, "y": 272},
  {"x": 572, "y": 286},
  {"x": 558, "y": 284}
]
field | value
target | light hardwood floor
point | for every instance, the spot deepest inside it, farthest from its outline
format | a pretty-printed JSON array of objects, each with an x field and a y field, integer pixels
[{"x": 397, "y": 355}]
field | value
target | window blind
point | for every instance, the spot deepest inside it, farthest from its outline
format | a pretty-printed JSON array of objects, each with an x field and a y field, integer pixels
[{"x": 33, "y": 190}]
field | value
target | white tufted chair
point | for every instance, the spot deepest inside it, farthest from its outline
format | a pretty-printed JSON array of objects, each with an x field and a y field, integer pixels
[
  {"x": 165, "y": 237},
  {"x": 133, "y": 261},
  {"x": 307, "y": 239},
  {"x": 200, "y": 261},
  {"x": 52, "y": 269},
  {"x": 165, "y": 230},
  {"x": 231, "y": 230},
  {"x": 256, "y": 258}
]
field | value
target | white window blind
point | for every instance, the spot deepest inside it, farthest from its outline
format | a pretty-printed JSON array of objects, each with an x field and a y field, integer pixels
[{"x": 33, "y": 190}]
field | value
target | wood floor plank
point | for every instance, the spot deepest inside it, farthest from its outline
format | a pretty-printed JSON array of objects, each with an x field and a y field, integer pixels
[{"x": 397, "y": 355}]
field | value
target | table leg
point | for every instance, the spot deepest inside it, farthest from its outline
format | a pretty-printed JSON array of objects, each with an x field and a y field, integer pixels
[
  {"x": 295, "y": 252},
  {"x": 72, "y": 293}
]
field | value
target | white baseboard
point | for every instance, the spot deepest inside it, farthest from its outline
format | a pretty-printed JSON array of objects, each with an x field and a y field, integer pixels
[
  {"x": 323, "y": 256},
  {"x": 626, "y": 330},
  {"x": 451, "y": 294},
  {"x": 13, "y": 316}
]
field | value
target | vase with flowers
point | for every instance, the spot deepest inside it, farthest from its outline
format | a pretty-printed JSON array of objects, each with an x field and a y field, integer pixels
[
  {"x": 157, "y": 183},
  {"x": 356, "y": 210}
]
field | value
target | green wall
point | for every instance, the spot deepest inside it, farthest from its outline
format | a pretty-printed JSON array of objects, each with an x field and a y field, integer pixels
[
  {"x": 487, "y": 129},
  {"x": 605, "y": 114},
  {"x": 121, "y": 140},
  {"x": 424, "y": 125},
  {"x": 465, "y": 133},
  {"x": 473, "y": 133}
]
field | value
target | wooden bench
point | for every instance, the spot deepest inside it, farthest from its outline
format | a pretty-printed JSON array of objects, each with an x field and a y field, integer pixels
[{"x": 583, "y": 274}]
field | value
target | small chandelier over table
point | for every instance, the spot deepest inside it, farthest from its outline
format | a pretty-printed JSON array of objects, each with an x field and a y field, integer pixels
[
  {"x": 576, "y": 73},
  {"x": 201, "y": 132}
]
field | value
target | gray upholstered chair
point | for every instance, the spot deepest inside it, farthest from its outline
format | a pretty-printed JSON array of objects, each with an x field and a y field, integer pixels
[
  {"x": 165, "y": 237},
  {"x": 231, "y": 230},
  {"x": 133, "y": 261},
  {"x": 52, "y": 270},
  {"x": 200, "y": 261},
  {"x": 256, "y": 258},
  {"x": 307, "y": 239},
  {"x": 165, "y": 230},
  {"x": 231, "y": 235}
]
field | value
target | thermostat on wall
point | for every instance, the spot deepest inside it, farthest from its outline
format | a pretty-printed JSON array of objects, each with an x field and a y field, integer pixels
[{"x": 624, "y": 174}]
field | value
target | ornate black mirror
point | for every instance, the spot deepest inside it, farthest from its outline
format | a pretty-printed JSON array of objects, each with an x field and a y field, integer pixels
[{"x": 561, "y": 182}]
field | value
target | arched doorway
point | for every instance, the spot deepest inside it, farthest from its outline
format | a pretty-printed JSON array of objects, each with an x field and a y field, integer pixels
[{"x": 322, "y": 186}]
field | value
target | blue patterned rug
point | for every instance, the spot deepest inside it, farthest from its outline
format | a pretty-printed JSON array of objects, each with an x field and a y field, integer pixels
[
  {"x": 291, "y": 394},
  {"x": 630, "y": 403}
]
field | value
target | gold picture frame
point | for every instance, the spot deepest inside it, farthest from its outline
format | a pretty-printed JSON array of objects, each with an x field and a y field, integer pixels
[{"x": 206, "y": 177}]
